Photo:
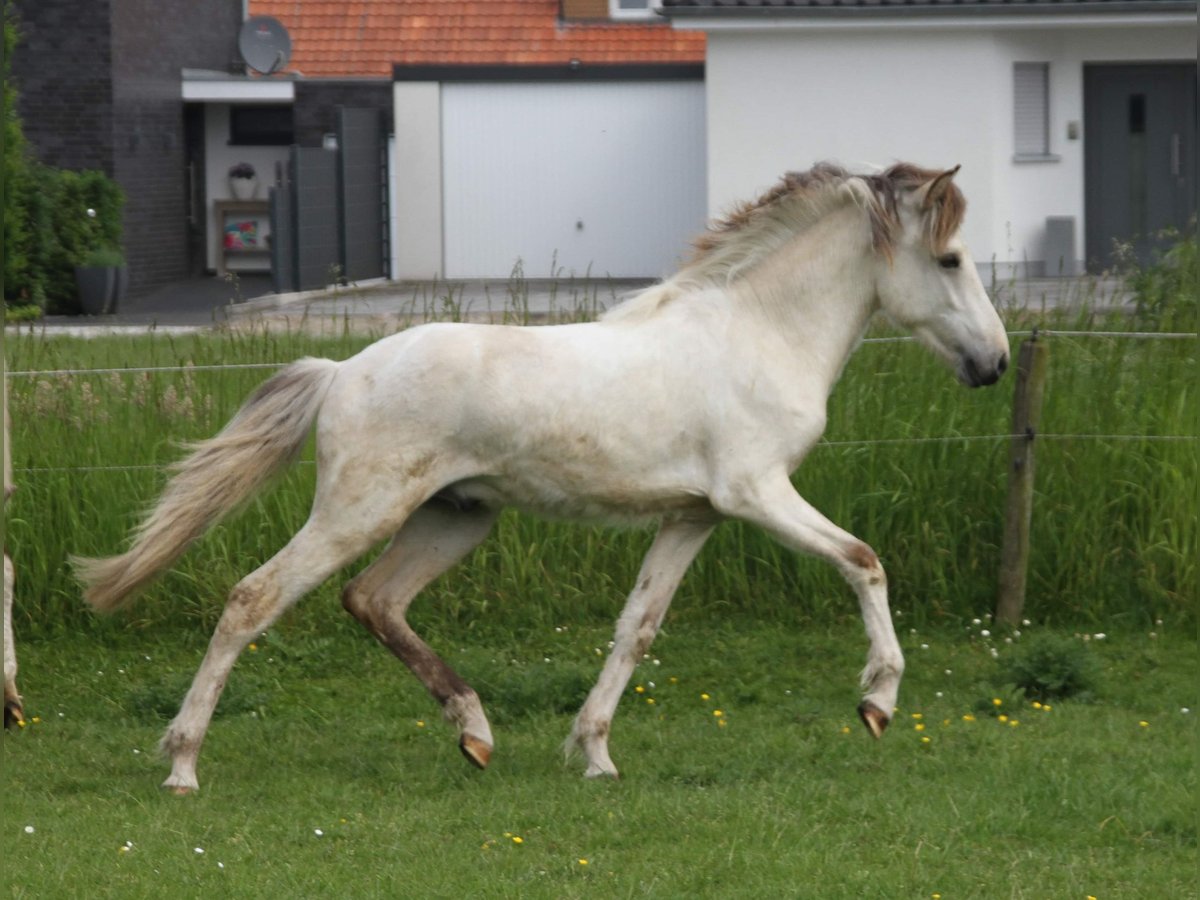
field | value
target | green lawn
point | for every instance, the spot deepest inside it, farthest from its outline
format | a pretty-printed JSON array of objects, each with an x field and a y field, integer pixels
[{"x": 327, "y": 772}]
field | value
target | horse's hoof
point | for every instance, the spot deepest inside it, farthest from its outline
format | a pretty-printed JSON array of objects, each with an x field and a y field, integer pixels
[
  {"x": 594, "y": 772},
  {"x": 13, "y": 714},
  {"x": 180, "y": 787},
  {"x": 476, "y": 751},
  {"x": 874, "y": 718}
]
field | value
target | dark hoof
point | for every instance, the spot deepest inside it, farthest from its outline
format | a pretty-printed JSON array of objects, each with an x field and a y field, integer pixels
[
  {"x": 476, "y": 751},
  {"x": 13, "y": 714},
  {"x": 874, "y": 718}
]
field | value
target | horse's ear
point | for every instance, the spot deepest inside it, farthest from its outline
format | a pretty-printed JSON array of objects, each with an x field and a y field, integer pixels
[{"x": 934, "y": 191}]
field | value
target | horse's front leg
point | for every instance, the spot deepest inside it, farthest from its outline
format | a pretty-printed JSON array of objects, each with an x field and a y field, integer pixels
[
  {"x": 773, "y": 504},
  {"x": 674, "y": 548},
  {"x": 12, "y": 699}
]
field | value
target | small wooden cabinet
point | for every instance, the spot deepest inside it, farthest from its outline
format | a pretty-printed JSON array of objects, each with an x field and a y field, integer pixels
[{"x": 243, "y": 230}]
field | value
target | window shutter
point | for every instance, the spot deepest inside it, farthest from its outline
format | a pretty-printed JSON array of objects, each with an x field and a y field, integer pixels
[{"x": 1031, "y": 82}]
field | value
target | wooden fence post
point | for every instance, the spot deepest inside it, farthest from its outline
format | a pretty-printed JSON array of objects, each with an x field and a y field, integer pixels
[{"x": 1027, "y": 413}]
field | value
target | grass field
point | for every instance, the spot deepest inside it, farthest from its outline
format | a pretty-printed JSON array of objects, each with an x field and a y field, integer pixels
[{"x": 327, "y": 774}]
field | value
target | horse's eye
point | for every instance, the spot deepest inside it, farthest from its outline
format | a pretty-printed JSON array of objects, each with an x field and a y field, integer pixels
[{"x": 949, "y": 261}]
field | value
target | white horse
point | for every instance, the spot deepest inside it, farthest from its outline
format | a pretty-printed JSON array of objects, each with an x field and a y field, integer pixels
[
  {"x": 688, "y": 404},
  {"x": 13, "y": 711}
]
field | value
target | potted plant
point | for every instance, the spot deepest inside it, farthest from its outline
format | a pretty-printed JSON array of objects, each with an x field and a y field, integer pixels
[
  {"x": 243, "y": 181},
  {"x": 102, "y": 278}
]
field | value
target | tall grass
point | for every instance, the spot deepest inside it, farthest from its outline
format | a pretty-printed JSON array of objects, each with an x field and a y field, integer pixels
[{"x": 1114, "y": 531}]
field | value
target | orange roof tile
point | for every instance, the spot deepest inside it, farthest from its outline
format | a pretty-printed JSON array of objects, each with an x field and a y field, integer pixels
[{"x": 365, "y": 38}]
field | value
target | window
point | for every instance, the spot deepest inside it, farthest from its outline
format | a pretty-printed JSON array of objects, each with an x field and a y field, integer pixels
[
  {"x": 1031, "y": 110},
  {"x": 261, "y": 126},
  {"x": 633, "y": 9}
]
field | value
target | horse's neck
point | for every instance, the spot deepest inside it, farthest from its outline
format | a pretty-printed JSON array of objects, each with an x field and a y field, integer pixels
[{"x": 817, "y": 293}]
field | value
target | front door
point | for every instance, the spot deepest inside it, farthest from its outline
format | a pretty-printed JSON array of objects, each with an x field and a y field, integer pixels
[
  {"x": 1139, "y": 162},
  {"x": 193, "y": 144}
]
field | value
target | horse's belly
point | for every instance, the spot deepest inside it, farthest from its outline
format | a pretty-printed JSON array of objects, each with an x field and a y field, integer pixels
[{"x": 552, "y": 498}]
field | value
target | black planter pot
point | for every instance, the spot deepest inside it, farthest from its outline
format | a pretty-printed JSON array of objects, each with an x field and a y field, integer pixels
[{"x": 101, "y": 288}]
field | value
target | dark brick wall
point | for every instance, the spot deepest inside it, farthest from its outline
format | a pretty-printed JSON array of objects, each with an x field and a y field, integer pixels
[
  {"x": 61, "y": 68},
  {"x": 315, "y": 110},
  {"x": 152, "y": 41},
  {"x": 100, "y": 88}
]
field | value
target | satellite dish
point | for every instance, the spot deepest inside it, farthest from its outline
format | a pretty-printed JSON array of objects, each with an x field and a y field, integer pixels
[{"x": 264, "y": 44}]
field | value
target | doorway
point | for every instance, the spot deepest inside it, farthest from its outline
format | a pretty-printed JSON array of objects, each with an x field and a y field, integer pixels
[
  {"x": 193, "y": 144},
  {"x": 1139, "y": 158}
]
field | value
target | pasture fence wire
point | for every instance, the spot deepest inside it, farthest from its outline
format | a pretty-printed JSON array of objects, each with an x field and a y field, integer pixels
[
  {"x": 1027, "y": 429},
  {"x": 1019, "y": 436}
]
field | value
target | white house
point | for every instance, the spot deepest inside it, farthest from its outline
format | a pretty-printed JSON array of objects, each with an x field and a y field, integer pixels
[
  {"x": 1074, "y": 120},
  {"x": 566, "y": 136}
]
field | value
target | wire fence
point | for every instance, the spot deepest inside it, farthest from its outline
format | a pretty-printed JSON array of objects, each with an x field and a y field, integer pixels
[
  {"x": 898, "y": 339},
  {"x": 937, "y": 439}
]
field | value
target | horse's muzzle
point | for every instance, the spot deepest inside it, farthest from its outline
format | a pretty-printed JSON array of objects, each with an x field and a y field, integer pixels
[{"x": 975, "y": 375}]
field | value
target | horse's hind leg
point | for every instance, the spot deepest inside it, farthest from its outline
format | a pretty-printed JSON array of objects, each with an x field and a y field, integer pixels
[
  {"x": 674, "y": 548},
  {"x": 13, "y": 712},
  {"x": 434, "y": 538},
  {"x": 312, "y": 555}
]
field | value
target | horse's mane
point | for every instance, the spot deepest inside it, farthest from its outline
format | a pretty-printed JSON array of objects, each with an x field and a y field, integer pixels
[{"x": 751, "y": 231}]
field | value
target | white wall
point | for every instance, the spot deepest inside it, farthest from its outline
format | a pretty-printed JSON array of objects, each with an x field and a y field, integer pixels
[
  {"x": 218, "y": 157},
  {"x": 417, "y": 187},
  {"x": 869, "y": 96},
  {"x": 1028, "y": 192}
]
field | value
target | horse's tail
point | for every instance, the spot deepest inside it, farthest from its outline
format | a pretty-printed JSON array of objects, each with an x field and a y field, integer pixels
[{"x": 264, "y": 437}]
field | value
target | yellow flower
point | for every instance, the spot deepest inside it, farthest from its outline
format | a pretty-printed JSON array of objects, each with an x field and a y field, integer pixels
[
  {"x": 996, "y": 701},
  {"x": 640, "y": 689},
  {"x": 1003, "y": 718},
  {"x": 253, "y": 647},
  {"x": 1014, "y": 723},
  {"x": 721, "y": 723},
  {"x": 36, "y": 720},
  {"x": 845, "y": 729},
  {"x": 1143, "y": 723},
  {"x": 517, "y": 839},
  {"x": 918, "y": 715},
  {"x": 968, "y": 718},
  {"x": 650, "y": 700},
  {"x": 673, "y": 680},
  {"x": 582, "y": 861},
  {"x": 718, "y": 713},
  {"x": 21, "y": 723},
  {"x": 1036, "y": 705},
  {"x": 925, "y": 740},
  {"x": 1046, "y": 707},
  {"x": 420, "y": 723},
  {"x": 704, "y": 696},
  {"x": 920, "y": 726}
]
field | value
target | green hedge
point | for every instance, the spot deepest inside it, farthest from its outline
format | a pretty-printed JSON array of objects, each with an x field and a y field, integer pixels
[
  {"x": 48, "y": 229},
  {"x": 68, "y": 216}
]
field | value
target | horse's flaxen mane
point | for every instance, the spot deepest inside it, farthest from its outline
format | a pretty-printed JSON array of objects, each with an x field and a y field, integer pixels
[
  {"x": 735, "y": 244},
  {"x": 821, "y": 187}
]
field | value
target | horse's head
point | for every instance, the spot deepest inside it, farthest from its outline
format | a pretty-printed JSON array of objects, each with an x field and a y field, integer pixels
[{"x": 928, "y": 283}]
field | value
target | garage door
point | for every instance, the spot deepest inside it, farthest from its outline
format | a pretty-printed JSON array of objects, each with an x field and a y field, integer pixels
[{"x": 606, "y": 179}]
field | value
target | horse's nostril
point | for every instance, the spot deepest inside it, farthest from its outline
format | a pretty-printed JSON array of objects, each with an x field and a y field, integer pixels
[{"x": 1002, "y": 365}]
